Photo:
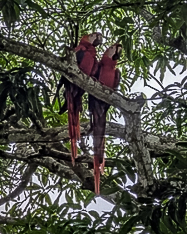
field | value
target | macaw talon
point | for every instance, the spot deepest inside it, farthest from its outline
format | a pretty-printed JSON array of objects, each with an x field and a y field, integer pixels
[
  {"x": 102, "y": 82},
  {"x": 94, "y": 78}
]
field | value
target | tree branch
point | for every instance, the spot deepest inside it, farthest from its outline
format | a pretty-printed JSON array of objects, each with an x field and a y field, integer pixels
[
  {"x": 15, "y": 135},
  {"x": 51, "y": 135},
  {"x": 69, "y": 69},
  {"x": 60, "y": 165},
  {"x": 114, "y": 6},
  {"x": 177, "y": 43},
  {"x": 140, "y": 152}
]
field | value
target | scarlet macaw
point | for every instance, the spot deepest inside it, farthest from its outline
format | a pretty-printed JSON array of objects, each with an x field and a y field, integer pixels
[
  {"x": 87, "y": 62},
  {"x": 108, "y": 75}
]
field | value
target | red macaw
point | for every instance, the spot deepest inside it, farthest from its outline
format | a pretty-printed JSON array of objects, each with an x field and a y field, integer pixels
[
  {"x": 87, "y": 62},
  {"x": 108, "y": 75}
]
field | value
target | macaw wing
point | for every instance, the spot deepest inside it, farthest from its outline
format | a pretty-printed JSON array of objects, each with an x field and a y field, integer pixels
[
  {"x": 80, "y": 56},
  {"x": 95, "y": 68},
  {"x": 117, "y": 78},
  {"x": 62, "y": 81},
  {"x": 97, "y": 73}
]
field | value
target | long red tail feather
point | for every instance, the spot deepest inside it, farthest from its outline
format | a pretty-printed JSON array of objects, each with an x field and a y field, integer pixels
[
  {"x": 99, "y": 124},
  {"x": 97, "y": 174},
  {"x": 72, "y": 121}
]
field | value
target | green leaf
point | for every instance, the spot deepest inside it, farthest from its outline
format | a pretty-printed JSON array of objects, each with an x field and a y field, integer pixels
[
  {"x": 76, "y": 206},
  {"x": 88, "y": 199},
  {"x": 170, "y": 69},
  {"x": 172, "y": 210},
  {"x": 184, "y": 12},
  {"x": 168, "y": 223},
  {"x": 165, "y": 29},
  {"x": 127, "y": 44},
  {"x": 33, "y": 186},
  {"x": 13, "y": 209},
  {"x": 146, "y": 61},
  {"x": 2, "y": 4},
  {"x": 119, "y": 32},
  {"x": 94, "y": 214},
  {"x": 171, "y": 21},
  {"x": 44, "y": 179},
  {"x": 126, "y": 228},
  {"x": 177, "y": 155},
  {"x": 46, "y": 97},
  {"x": 48, "y": 199},
  {"x": 109, "y": 191},
  {"x": 37, "y": 8},
  {"x": 129, "y": 48},
  {"x": 126, "y": 198},
  {"x": 126, "y": 20},
  {"x": 68, "y": 198},
  {"x": 64, "y": 212},
  {"x": 113, "y": 177},
  {"x": 17, "y": 11},
  {"x": 181, "y": 213},
  {"x": 155, "y": 220},
  {"x": 158, "y": 65}
]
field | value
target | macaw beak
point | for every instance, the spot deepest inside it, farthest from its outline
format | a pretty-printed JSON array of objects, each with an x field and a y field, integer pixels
[
  {"x": 98, "y": 40},
  {"x": 117, "y": 54},
  {"x": 119, "y": 49}
]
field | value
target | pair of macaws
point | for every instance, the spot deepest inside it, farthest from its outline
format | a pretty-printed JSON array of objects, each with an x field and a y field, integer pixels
[{"x": 106, "y": 73}]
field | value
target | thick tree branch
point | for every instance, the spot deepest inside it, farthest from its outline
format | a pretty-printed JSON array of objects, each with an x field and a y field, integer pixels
[
  {"x": 158, "y": 145},
  {"x": 69, "y": 69},
  {"x": 47, "y": 160},
  {"x": 15, "y": 135},
  {"x": 140, "y": 152},
  {"x": 57, "y": 155},
  {"x": 59, "y": 163},
  {"x": 50, "y": 135}
]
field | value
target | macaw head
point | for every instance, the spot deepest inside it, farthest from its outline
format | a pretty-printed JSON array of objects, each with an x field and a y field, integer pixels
[
  {"x": 94, "y": 38},
  {"x": 113, "y": 51}
]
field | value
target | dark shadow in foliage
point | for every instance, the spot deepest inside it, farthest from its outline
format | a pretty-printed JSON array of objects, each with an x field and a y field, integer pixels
[{"x": 22, "y": 95}]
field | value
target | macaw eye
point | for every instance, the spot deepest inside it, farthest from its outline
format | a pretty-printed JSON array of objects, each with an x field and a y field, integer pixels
[{"x": 112, "y": 47}]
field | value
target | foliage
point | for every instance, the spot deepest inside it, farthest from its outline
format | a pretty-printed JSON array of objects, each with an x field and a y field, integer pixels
[{"x": 50, "y": 203}]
